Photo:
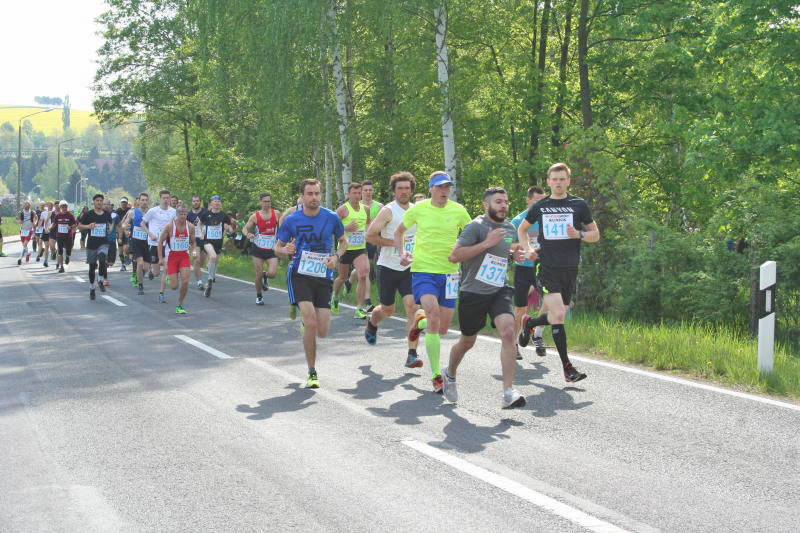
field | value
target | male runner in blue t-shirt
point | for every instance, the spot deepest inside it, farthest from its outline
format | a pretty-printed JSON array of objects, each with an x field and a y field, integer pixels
[{"x": 306, "y": 236}]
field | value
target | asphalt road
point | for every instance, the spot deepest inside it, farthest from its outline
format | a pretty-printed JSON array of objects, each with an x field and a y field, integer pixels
[{"x": 109, "y": 422}]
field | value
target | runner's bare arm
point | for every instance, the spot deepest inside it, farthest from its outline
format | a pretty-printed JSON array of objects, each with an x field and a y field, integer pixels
[
  {"x": 165, "y": 233},
  {"x": 590, "y": 234},
  {"x": 377, "y": 225},
  {"x": 250, "y": 222}
]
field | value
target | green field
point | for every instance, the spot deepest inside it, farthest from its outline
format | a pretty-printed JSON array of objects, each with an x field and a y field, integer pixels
[
  {"x": 46, "y": 122},
  {"x": 717, "y": 355}
]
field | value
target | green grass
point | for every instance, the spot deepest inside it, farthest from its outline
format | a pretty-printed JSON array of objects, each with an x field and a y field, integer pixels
[
  {"x": 10, "y": 227},
  {"x": 713, "y": 354},
  {"x": 46, "y": 122}
]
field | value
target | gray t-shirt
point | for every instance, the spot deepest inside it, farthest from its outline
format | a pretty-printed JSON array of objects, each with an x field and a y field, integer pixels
[{"x": 486, "y": 277}]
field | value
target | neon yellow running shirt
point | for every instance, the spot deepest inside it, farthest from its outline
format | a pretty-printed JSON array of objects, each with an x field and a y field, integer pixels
[
  {"x": 356, "y": 240},
  {"x": 437, "y": 231}
]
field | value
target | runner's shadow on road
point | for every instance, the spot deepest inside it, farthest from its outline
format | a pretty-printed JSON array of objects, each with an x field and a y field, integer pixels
[
  {"x": 373, "y": 385},
  {"x": 294, "y": 401},
  {"x": 409, "y": 412},
  {"x": 527, "y": 376},
  {"x": 467, "y": 437},
  {"x": 552, "y": 399}
]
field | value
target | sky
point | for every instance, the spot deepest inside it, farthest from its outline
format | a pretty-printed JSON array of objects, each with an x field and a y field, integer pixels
[{"x": 49, "y": 48}]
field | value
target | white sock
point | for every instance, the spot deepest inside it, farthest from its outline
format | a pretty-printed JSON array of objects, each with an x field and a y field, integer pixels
[
  {"x": 212, "y": 270},
  {"x": 538, "y": 331}
]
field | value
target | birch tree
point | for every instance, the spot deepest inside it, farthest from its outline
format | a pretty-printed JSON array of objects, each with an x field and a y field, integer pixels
[
  {"x": 341, "y": 99},
  {"x": 443, "y": 76}
]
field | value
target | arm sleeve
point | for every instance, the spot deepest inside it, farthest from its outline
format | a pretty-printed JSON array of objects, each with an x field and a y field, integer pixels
[
  {"x": 470, "y": 235},
  {"x": 533, "y": 215}
]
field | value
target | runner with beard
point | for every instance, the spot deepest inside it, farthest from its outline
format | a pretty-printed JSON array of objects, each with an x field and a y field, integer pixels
[
  {"x": 483, "y": 249},
  {"x": 559, "y": 216},
  {"x": 307, "y": 237},
  {"x": 138, "y": 243}
]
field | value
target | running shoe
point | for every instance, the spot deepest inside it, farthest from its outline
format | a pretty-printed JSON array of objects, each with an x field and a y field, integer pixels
[
  {"x": 571, "y": 374},
  {"x": 141, "y": 290},
  {"x": 360, "y": 313},
  {"x": 161, "y": 298},
  {"x": 208, "y": 289},
  {"x": 525, "y": 333},
  {"x": 438, "y": 384},
  {"x": 66, "y": 261},
  {"x": 134, "y": 281},
  {"x": 91, "y": 294},
  {"x": 292, "y": 312},
  {"x": 412, "y": 361},
  {"x": 102, "y": 286},
  {"x": 519, "y": 355},
  {"x": 335, "y": 306},
  {"x": 370, "y": 308},
  {"x": 122, "y": 268},
  {"x": 371, "y": 333},
  {"x": 45, "y": 263},
  {"x": 312, "y": 381},
  {"x": 179, "y": 310},
  {"x": 38, "y": 258},
  {"x": 415, "y": 329},
  {"x": 450, "y": 387},
  {"x": 540, "y": 349},
  {"x": 28, "y": 258},
  {"x": 150, "y": 275},
  {"x": 259, "y": 300},
  {"x": 105, "y": 282},
  {"x": 512, "y": 399},
  {"x": 19, "y": 261},
  {"x": 200, "y": 285},
  {"x": 61, "y": 270},
  {"x": 127, "y": 260}
]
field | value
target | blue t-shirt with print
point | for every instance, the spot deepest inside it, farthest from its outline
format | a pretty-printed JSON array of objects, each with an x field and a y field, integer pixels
[
  {"x": 533, "y": 234},
  {"x": 315, "y": 234}
]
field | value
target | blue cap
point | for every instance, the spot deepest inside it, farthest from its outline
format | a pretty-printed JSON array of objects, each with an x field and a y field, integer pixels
[
  {"x": 216, "y": 197},
  {"x": 440, "y": 179}
]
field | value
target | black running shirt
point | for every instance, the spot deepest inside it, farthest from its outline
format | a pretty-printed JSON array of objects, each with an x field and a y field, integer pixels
[{"x": 553, "y": 216}]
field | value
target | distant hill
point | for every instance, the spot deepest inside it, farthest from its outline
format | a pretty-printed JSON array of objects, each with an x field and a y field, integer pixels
[{"x": 46, "y": 122}]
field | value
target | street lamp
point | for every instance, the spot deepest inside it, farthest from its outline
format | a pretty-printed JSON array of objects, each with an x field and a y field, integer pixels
[
  {"x": 58, "y": 194},
  {"x": 79, "y": 190},
  {"x": 19, "y": 151}
]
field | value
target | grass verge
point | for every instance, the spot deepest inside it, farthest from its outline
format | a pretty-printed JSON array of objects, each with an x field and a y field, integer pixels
[
  {"x": 714, "y": 354},
  {"x": 10, "y": 227}
]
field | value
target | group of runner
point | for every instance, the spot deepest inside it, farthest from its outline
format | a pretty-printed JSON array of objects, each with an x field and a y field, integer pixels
[
  {"x": 430, "y": 253},
  {"x": 434, "y": 256}
]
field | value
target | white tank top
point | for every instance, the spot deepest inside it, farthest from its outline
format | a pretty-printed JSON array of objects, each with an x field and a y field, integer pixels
[{"x": 389, "y": 257}]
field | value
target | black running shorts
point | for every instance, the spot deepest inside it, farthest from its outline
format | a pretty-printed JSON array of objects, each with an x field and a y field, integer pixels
[
  {"x": 310, "y": 289},
  {"x": 139, "y": 249},
  {"x": 215, "y": 243},
  {"x": 473, "y": 309},
  {"x": 524, "y": 279},
  {"x": 391, "y": 281},
  {"x": 350, "y": 255},
  {"x": 260, "y": 253},
  {"x": 560, "y": 280}
]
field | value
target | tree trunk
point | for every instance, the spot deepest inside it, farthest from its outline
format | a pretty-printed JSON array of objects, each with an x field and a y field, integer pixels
[
  {"x": 583, "y": 67},
  {"x": 188, "y": 152},
  {"x": 341, "y": 100},
  {"x": 328, "y": 197},
  {"x": 562, "y": 74},
  {"x": 443, "y": 63},
  {"x": 515, "y": 173},
  {"x": 539, "y": 97}
]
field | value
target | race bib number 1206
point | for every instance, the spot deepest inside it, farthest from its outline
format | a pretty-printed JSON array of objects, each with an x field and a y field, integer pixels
[{"x": 313, "y": 264}]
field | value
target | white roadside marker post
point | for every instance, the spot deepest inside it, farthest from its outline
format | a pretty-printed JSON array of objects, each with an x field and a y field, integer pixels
[{"x": 766, "y": 315}]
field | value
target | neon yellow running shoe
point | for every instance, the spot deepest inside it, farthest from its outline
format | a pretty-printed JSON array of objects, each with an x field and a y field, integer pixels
[
  {"x": 179, "y": 310},
  {"x": 335, "y": 306},
  {"x": 292, "y": 312},
  {"x": 312, "y": 382}
]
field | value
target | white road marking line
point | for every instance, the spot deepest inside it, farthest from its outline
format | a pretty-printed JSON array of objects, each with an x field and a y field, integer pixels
[
  {"x": 79, "y": 279},
  {"x": 538, "y": 499},
  {"x": 615, "y": 366},
  {"x": 204, "y": 347},
  {"x": 114, "y": 301}
]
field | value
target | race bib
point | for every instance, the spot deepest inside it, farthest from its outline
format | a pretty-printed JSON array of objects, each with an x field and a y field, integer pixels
[
  {"x": 24, "y": 232},
  {"x": 408, "y": 244},
  {"x": 63, "y": 228},
  {"x": 238, "y": 236},
  {"x": 555, "y": 225},
  {"x": 313, "y": 264},
  {"x": 198, "y": 231},
  {"x": 356, "y": 238},
  {"x": 493, "y": 270},
  {"x": 214, "y": 232},
  {"x": 179, "y": 244},
  {"x": 265, "y": 242},
  {"x": 139, "y": 233},
  {"x": 39, "y": 230},
  {"x": 98, "y": 231},
  {"x": 451, "y": 287}
]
